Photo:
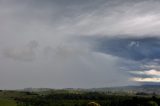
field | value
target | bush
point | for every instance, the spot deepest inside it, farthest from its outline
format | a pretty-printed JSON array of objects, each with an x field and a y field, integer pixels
[
  {"x": 93, "y": 104},
  {"x": 152, "y": 103}
]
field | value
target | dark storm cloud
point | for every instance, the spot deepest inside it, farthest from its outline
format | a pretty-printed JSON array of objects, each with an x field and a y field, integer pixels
[{"x": 130, "y": 48}]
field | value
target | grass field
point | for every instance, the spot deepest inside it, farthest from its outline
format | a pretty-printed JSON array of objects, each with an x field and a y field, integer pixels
[
  {"x": 7, "y": 102},
  {"x": 7, "y": 97}
]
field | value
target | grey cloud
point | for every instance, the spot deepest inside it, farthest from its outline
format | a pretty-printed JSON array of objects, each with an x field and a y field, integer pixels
[
  {"x": 77, "y": 60},
  {"x": 24, "y": 53},
  {"x": 91, "y": 17},
  {"x": 64, "y": 61},
  {"x": 67, "y": 67}
]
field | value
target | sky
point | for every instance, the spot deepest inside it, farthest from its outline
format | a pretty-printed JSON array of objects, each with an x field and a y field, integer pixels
[{"x": 79, "y": 43}]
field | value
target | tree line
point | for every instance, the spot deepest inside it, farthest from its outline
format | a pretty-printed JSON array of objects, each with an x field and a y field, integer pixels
[{"x": 82, "y": 99}]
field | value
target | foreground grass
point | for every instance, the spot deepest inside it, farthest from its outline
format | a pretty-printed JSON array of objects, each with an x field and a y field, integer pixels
[
  {"x": 7, "y": 97},
  {"x": 7, "y": 102}
]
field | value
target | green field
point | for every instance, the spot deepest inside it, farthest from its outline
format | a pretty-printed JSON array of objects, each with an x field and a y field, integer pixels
[
  {"x": 7, "y": 102},
  {"x": 7, "y": 97}
]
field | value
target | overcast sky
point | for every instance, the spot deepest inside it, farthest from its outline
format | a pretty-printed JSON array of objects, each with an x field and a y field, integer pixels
[{"x": 79, "y": 43}]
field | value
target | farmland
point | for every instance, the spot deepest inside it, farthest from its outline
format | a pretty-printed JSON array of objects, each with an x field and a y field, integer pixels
[{"x": 75, "y": 97}]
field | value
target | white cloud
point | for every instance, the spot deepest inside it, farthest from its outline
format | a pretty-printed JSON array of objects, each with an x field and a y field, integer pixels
[
  {"x": 152, "y": 76},
  {"x": 152, "y": 72},
  {"x": 134, "y": 44},
  {"x": 146, "y": 79},
  {"x": 152, "y": 66}
]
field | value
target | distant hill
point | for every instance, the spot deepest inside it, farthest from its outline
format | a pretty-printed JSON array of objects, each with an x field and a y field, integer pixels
[{"x": 143, "y": 89}]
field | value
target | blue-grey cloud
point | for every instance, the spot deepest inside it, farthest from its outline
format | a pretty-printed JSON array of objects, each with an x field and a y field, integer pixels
[{"x": 138, "y": 49}]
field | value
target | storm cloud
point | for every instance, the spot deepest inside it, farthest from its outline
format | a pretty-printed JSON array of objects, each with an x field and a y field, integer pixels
[
  {"x": 78, "y": 43},
  {"x": 137, "y": 49}
]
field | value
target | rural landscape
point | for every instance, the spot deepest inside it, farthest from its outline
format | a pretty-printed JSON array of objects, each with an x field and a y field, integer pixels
[{"x": 129, "y": 96}]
